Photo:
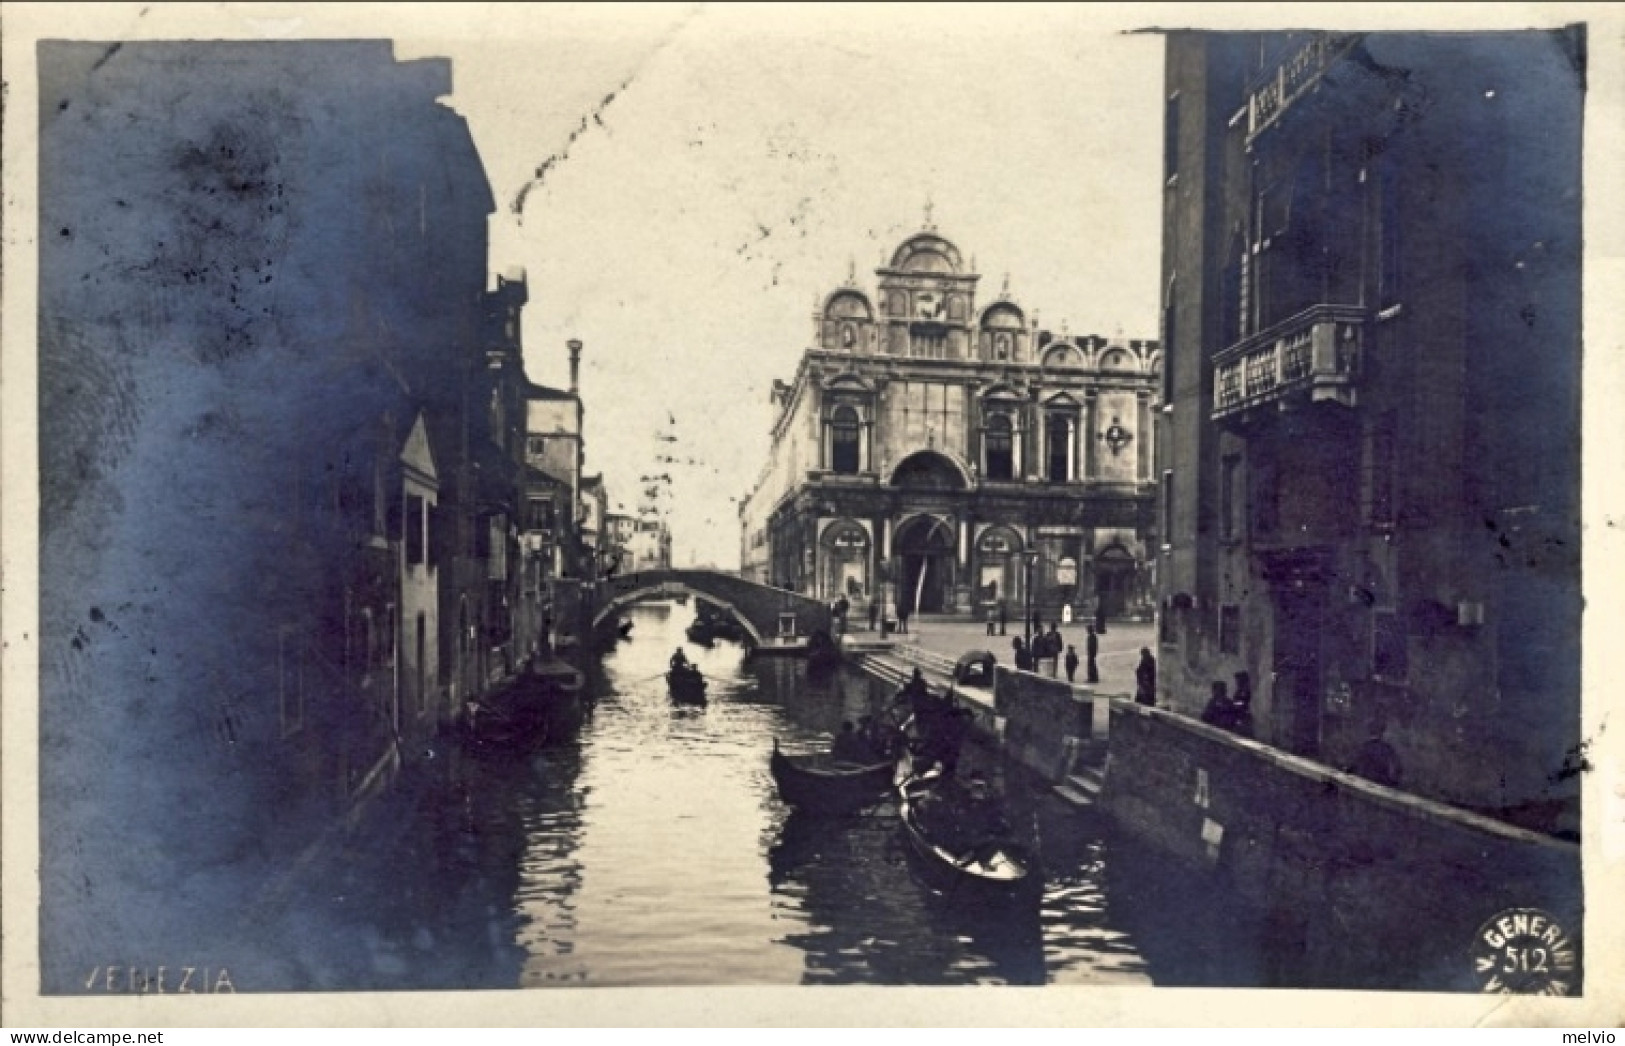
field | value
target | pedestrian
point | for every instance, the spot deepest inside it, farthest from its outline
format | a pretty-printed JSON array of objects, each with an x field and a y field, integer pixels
[
  {"x": 1145, "y": 679},
  {"x": 874, "y": 613},
  {"x": 992, "y": 620},
  {"x": 1038, "y": 623},
  {"x": 1003, "y": 616},
  {"x": 1376, "y": 760},
  {"x": 1219, "y": 712},
  {"x": 1024, "y": 656},
  {"x": 841, "y": 608},
  {"x": 902, "y": 620},
  {"x": 1071, "y": 664},
  {"x": 1091, "y": 648}
]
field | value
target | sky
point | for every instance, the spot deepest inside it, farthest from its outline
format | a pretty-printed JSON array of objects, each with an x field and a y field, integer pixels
[{"x": 683, "y": 185}]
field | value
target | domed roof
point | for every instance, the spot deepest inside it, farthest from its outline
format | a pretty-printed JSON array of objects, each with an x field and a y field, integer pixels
[
  {"x": 927, "y": 252},
  {"x": 848, "y": 303}
]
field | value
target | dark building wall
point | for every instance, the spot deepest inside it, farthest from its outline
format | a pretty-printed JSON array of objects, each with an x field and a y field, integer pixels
[
  {"x": 1403, "y": 536},
  {"x": 257, "y": 262}
]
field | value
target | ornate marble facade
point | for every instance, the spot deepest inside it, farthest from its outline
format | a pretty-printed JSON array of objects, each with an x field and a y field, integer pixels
[{"x": 927, "y": 441}]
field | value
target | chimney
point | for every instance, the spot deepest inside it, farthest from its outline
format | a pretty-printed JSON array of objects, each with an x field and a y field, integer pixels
[{"x": 575, "y": 362}]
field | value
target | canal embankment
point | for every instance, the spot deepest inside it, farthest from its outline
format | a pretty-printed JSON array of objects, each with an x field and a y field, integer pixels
[{"x": 1347, "y": 878}]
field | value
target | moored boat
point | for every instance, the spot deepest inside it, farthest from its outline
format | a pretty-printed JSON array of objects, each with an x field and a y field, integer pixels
[
  {"x": 980, "y": 862},
  {"x": 536, "y": 706},
  {"x": 822, "y": 784}
]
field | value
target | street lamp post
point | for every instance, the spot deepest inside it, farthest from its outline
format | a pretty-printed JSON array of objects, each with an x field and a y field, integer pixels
[{"x": 1030, "y": 558}]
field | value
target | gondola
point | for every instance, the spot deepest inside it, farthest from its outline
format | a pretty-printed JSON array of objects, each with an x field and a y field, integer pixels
[
  {"x": 687, "y": 684},
  {"x": 822, "y": 784},
  {"x": 538, "y": 705},
  {"x": 992, "y": 871}
]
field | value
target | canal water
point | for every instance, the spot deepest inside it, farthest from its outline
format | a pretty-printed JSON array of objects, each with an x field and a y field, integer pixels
[{"x": 651, "y": 849}]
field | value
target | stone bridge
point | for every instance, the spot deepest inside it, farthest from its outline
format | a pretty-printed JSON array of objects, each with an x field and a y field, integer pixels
[{"x": 772, "y": 616}]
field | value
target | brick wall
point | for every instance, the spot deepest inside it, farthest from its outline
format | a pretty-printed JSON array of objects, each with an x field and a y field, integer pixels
[
  {"x": 1040, "y": 714},
  {"x": 1356, "y": 884}
]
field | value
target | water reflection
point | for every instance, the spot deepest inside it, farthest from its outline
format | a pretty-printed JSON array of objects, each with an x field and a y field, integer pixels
[{"x": 651, "y": 849}]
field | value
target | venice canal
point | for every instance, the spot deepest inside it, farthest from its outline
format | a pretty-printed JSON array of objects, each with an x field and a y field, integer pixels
[{"x": 651, "y": 849}]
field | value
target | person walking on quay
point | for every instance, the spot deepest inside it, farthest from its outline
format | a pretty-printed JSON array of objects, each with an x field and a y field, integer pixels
[
  {"x": 1376, "y": 760},
  {"x": 839, "y": 610},
  {"x": 992, "y": 620},
  {"x": 1004, "y": 616},
  {"x": 1071, "y": 664},
  {"x": 1038, "y": 624},
  {"x": 874, "y": 613},
  {"x": 1053, "y": 646},
  {"x": 1024, "y": 656},
  {"x": 1219, "y": 711},
  {"x": 1092, "y": 649},
  {"x": 1145, "y": 679}
]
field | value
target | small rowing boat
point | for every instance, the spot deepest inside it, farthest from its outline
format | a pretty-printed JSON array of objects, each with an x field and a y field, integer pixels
[
  {"x": 822, "y": 784},
  {"x": 965, "y": 858}
]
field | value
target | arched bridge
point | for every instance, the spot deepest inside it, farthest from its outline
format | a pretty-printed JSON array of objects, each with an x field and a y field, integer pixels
[{"x": 772, "y": 616}]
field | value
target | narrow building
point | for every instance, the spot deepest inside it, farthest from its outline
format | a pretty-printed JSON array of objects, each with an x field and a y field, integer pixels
[{"x": 1370, "y": 465}]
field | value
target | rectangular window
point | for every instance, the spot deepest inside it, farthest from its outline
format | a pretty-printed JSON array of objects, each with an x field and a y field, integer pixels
[
  {"x": 1388, "y": 231},
  {"x": 1170, "y": 138},
  {"x": 1388, "y": 656},
  {"x": 1380, "y": 466},
  {"x": 414, "y": 529},
  {"x": 1170, "y": 349},
  {"x": 539, "y": 514},
  {"x": 1230, "y": 500},
  {"x": 1167, "y": 509},
  {"x": 1229, "y": 629},
  {"x": 536, "y": 446},
  {"x": 1265, "y": 497},
  {"x": 498, "y": 544}
]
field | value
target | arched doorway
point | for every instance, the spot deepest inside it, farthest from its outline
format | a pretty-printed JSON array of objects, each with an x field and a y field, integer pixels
[
  {"x": 924, "y": 549},
  {"x": 999, "y": 566},
  {"x": 845, "y": 559},
  {"x": 1114, "y": 580}
]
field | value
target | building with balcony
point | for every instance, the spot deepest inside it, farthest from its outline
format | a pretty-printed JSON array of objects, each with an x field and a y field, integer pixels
[
  {"x": 1370, "y": 463},
  {"x": 927, "y": 441}
]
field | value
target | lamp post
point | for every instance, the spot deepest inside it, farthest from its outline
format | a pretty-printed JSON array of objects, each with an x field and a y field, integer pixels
[{"x": 1029, "y": 558}]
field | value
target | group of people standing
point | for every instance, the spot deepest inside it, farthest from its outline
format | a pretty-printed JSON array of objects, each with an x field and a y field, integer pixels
[
  {"x": 1043, "y": 654},
  {"x": 1231, "y": 711}
]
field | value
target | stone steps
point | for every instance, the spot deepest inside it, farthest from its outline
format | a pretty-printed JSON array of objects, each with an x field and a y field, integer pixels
[{"x": 1082, "y": 787}]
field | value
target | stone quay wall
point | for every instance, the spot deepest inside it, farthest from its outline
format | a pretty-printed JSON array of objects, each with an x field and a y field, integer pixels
[{"x": 1351, "y": 879}]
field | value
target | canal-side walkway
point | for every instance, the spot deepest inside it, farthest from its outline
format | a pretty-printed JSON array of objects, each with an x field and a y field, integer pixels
[{"x": 1056, "y": 729}]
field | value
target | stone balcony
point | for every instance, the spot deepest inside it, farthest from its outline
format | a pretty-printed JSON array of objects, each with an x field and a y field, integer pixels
[
  {"x": 1314, "y": 355},
  {"x": 1297, "y": 74}
]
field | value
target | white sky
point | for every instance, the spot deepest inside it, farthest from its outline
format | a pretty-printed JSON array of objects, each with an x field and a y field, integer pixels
[
  {"x": 748, "y": 157},
  {"x": 685, "y": 228}
]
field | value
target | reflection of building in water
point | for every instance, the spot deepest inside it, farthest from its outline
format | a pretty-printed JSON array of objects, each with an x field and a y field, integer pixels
[{"x": 926, "y": 442}]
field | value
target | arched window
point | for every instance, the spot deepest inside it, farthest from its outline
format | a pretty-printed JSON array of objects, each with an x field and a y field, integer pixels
[
  {"x": 998, "y": 445},
  {"x": 1058, "y": 448},
  {"x": 844, "y": 440}
]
